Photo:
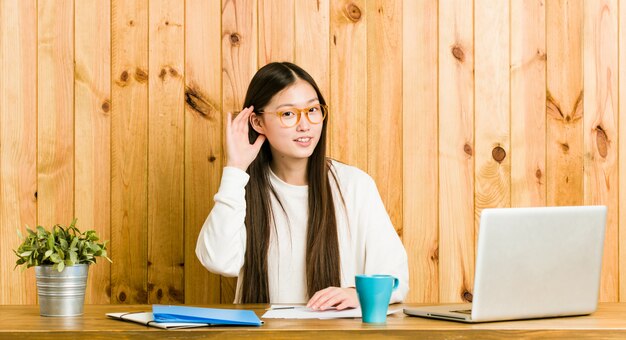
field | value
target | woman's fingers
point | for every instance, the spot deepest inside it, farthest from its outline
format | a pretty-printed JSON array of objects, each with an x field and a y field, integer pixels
[
  {"x": 332, "y": 299},
  {"x": 243, "y": 115},
  {"x": 259, "y": 142},
  {"x": 321, "y": 301},
  {"x": 342, "y": 298},
  {"x": 229, "y": 121},
  {"x": 345, "y": 304},
  {"x": 315, "y": 297}
]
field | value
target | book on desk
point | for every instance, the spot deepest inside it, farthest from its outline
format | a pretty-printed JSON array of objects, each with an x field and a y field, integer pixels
[{"x": 176, "y": 317}]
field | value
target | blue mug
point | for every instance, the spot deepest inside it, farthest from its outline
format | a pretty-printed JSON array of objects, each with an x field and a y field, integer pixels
[{"x": 374, "y": 292}]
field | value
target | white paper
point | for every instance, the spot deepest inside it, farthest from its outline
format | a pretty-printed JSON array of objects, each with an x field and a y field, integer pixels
[
  {"x": 302, "y": 312},
  {"x": 146, "y": 318}
]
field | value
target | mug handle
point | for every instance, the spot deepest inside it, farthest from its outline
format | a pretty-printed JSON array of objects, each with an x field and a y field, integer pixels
[{"x": 396, "y": 282}]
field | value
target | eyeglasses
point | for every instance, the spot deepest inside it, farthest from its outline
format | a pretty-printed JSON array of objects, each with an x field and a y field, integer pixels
[{"x": 291, "y": 117}]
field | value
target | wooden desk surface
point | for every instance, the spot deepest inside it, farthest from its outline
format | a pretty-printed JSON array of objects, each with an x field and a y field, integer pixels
[{"x": 24, "y": 322}]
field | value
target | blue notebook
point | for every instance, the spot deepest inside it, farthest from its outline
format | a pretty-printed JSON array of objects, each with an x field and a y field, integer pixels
[{"x": 213, "y": 316}]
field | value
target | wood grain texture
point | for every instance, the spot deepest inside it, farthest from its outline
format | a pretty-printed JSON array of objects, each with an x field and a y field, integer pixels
[
  {"x": 311, "y": 42},
  {"x": 92, "y": 133},
  {"x": 492, "y": 102},
  {"x": 239, "y": 63},
  {"x": 55, "y": 112},
  {"x": 600, "y": 128},
  {"x": 276, "y": 31},
  {"x": 239, "y": 50},
  {"x": 348, "y": 83},
  {"x": 419, "y": 148},
  {"x": 203, "y": 138},
  {"x": 18, "y": 143},
  {"x": 166, "y": 152},
  {"x": 564, "y": 103},
  {"x": 424, "y": 125},
  {"x": 622, "y": 152},
  {"x": 384, "y": 103},
  {"x": 23, "y": 322},
  {"x": 456, "y": 151},
  {"x": 129, "y": 151},
  {"x": 528, "y": 108}
]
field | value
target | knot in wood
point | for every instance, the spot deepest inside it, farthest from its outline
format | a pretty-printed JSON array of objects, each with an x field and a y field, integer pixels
[
  {"x": 353, "y": 12},
  {"x": 124, "y": 76},
  {"x": 106, "y": 106},
  {"x": 197, "y": 102},
  {"x": 141, "y": 75},
  {"x": 602, "y": 141},
  {"x": 458, "y": 53},
  {"x": 235, "y": 38},
  {"x": 435, "y": 255},
  {"x": 467, "y": 296},
  {"x": 498, "y": 154},
  {"x": 468, "y": 149}
]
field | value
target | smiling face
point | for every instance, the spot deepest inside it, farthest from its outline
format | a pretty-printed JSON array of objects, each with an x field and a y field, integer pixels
[{"x": 289, "y": 144}]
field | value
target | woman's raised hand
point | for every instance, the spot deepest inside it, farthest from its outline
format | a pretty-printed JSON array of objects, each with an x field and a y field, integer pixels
[{"x": 239, "y": 152}]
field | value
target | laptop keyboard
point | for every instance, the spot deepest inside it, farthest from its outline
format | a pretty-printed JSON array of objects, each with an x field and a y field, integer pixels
[{"x": 462, "y": 311}]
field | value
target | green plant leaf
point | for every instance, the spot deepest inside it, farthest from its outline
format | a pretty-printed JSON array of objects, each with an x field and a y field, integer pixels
[
  {"x": 104, "y": 254},
  {"x": 73, "y": 257},
  {"x": 60, "y": 246},
  {"x": 50, "y": 241},
  {"x": 63, "y": 244},
  {"x": 55, "y": 258},
  {"x": 74, "y": 243}
]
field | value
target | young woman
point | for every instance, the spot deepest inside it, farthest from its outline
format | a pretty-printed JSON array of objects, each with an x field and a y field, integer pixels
[{"x": 292, "y": 225}]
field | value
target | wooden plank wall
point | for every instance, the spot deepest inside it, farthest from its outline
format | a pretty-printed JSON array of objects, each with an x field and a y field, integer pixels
[
  {"x": 113, "y": 111},
  {"x": 92, "y": 113},
  {"x": 129, "y": 150}
]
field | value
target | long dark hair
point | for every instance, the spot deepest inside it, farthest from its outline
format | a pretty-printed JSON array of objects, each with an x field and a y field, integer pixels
[{"x": 322, "y": 253}]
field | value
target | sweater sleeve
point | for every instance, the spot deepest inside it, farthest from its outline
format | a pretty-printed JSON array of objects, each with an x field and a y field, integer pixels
[
  {"x": 384, "y": 252},
  {"x": 221, "y": 244}
]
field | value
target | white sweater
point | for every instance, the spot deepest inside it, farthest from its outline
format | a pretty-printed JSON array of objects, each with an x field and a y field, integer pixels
[{"x": 368, "y": 243}]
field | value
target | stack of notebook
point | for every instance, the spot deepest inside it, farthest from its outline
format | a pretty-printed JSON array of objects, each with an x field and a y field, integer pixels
[{"x": 174, "y": 317}]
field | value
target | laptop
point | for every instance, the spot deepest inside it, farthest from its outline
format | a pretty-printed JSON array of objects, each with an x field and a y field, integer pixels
[{"x": 532, "y": 263}]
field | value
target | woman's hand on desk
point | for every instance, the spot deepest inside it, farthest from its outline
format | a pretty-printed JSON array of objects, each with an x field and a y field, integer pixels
[{"x": 341, "y": 298}]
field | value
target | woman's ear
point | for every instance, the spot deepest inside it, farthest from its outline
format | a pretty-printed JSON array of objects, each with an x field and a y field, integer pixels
[{"x": 257, "y": 123}]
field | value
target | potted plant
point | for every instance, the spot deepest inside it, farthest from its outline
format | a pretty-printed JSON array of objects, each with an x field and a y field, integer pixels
[{"x": 61, "y": 257}]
